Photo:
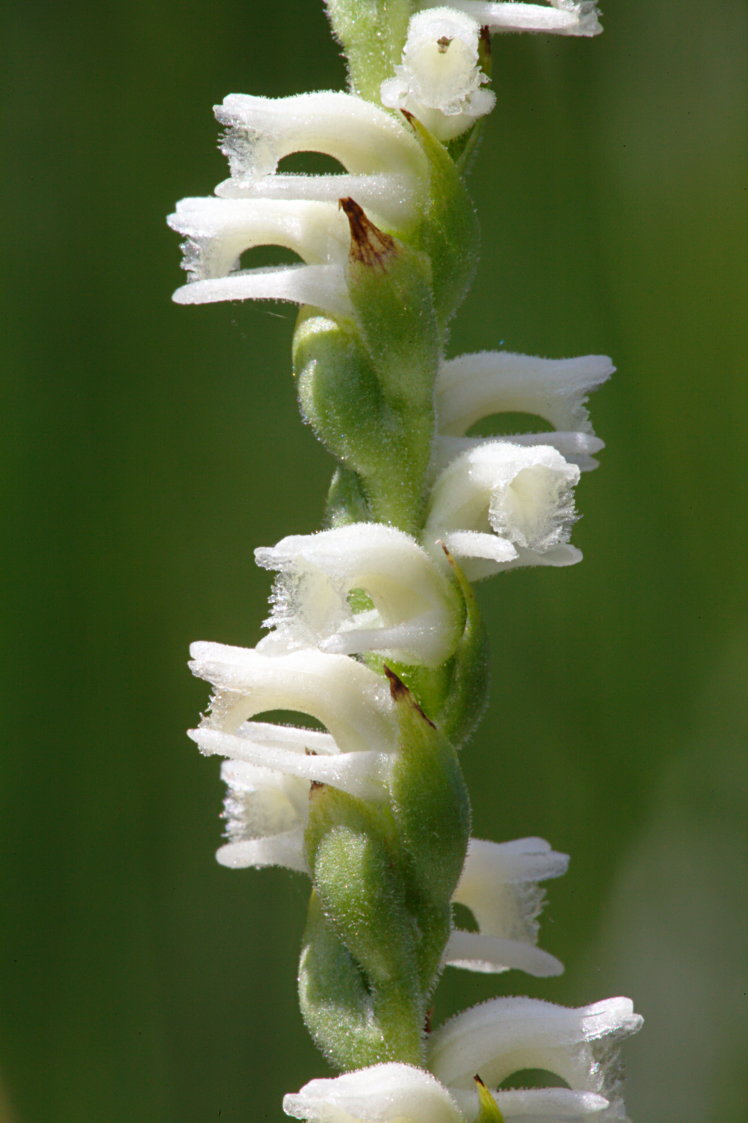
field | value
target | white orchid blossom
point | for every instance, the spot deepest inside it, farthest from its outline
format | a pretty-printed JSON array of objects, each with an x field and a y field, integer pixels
[
  {"x": 265, "y": 813},
  {"x": 415, "y": 616},
  {"x": 385, "y": 171},
  {"x": 350, "y": 700},
  {"x": 439, "y": 79},
  {"x": 506, "y": 1035},
  {"x": 562, "y": 17},
  {"x": 499, "y": 884},
  {"x": 500, "y": 505},
  {"x": 478, "y": 385},
  {"x": 495, "y": 1040}
]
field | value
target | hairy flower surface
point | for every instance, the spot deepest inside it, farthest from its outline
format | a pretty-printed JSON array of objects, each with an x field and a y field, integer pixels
[
  {"x": 439, "y": 79},
  {"x": 561, "y": 17},
  {"x": 415, "y": 612}
]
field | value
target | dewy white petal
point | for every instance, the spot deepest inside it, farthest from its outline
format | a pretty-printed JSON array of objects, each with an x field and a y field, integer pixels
[
  {"x": 218, "y": 231},
  {"x": 505, "y": 1035},
  {"x": 416, "y": 615},
  {"x": 523, "y": 494},
  {"x": 563, "y": 17},
  {"x": 499, "y": 884},
  {"x": 384, "y": 1093},
  {"x": 476, "y": 951},
  {"x": 361, "y": 774},
  {"x": 360, "y": 135},
  {"x": 350, "y": 700},
  {"x": 439, "y": 79},
  {"x": 477, "y": 385},
  {"x": 320, "y": 286},
  {"x": 577, "y": 448},
  {"x": 388, "y": 198}
]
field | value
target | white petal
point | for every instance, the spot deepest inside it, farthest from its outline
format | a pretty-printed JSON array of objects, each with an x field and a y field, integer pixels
[
  {"x": 286, "y": 850},
  {"x": 541, "y": 1105},
  {"x": 506, "y": 1035},
  {"x": 321, "y": 286},
  {"x": 474, "y": 386},
  {"x": 361, "y": 774},
  {"x": 476, "y": 951},
  {"x": 220, "y": 230},
  {"x": 385, "y": 1093},
  {"x": 439, "y": 79},
  {"x": 577, "y": 448},
  {"x": 388, "y": 199},
  {"x": 350, "y": 700},
  {"x": 499, "y": 884},
  {"x": 360, "y": 135},
  {"x": 564, "y": 17},
  {"x": 417, "y": 612}
]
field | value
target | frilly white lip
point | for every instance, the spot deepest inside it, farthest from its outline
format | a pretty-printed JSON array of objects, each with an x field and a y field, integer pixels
[{"x": 415, "y": 614}]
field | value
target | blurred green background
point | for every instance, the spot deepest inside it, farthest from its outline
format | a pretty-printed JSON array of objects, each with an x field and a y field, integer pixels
[{"x": 148, "y": 449}]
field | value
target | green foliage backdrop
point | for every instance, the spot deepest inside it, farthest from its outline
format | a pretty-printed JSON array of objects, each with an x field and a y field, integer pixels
[{"x": 149, "y": 448}]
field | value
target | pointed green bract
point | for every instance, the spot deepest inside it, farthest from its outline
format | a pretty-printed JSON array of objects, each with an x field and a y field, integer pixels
[{"x": 372, "y": 34}]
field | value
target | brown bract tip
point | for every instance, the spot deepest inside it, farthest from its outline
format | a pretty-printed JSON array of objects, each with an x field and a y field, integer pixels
[
  {"x": 399, "y": 692},
  {"x": 369, "y": 245}
]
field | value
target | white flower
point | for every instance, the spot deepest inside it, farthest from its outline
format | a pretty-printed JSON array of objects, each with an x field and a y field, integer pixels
[
  {"x": 563, "y": 17},
  {"x": 439, "y": 79},
  {"x": 474, "y": 386},
  {"x": 499, "y": 884},
  {"x": 385, "y": 172},
  {"x": 506, "y": 1035},
  {"x": 272, "y": 766},
  {"x": 577, "y": 448},
  {"x": 415, "y": 616},
  {"x": 499, "y": 505},
  {"x": 495, "y": 1040},
  {"x": 350, "y": 700}
]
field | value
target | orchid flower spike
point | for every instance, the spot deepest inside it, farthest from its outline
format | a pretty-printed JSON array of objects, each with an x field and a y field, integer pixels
[
  {"x": 440, "y": 80},
  {"x": 471, "y": 387},
  {"x": 501, "y": 505},
  {"x": 415, "y": 613},
  {"x": 499, "y": 884},
  {"x": 384, "y": 169},
  {"x": 562, "y": 17}
]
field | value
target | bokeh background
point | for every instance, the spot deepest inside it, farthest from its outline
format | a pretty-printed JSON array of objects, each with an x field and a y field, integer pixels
[{"x": 149, "y": 448}]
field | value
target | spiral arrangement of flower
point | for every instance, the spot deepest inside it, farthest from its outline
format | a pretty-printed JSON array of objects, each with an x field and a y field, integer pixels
[{"x": 373, "y": 631}]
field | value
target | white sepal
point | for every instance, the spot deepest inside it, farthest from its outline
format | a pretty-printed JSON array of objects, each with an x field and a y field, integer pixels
[
  {"x": 522, "y": 495},
  {"x": 563, "y": 17},
  {"x": 490, "y": 955},
  {"x": 542, "y": 1105},
  {"x": 577, "y": 448},
  {"x": 321, "y": 286},
  {"x": 505, "y": 1035},
  {"x": 439, "y": 79},
  {"x": 359, "y": 135},
  {"x": 384, "y": 1093},
  {"x": 386, "y": 198},
  {"x": 351, "y": 701},
  {"x": 361, "y": 774},
  {"x": 478, "y": 385},
  {"x": 416, "y": 612}
]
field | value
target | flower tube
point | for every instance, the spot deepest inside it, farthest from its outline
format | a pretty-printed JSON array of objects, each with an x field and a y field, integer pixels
[{"x": 416, "y": 612}]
